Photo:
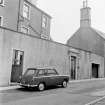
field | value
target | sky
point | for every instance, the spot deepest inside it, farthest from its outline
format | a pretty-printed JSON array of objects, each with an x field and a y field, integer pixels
[{"x": 66, "y": 16}]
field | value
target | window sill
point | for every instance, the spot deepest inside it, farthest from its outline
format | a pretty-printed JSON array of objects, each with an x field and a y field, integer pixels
[{"x": 3, "y": 5}]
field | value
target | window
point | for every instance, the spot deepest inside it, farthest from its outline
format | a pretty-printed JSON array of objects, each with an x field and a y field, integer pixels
[
  {"x": 44, "y": 22},
  {"x": 41, "y": 72},
  {"x": 52, "y": 72},
  {"x": 1, "y": 21},
  {"x": 25, "y": 30},
  {"x": 30, "y": 72},
  {"x": 26, "y": 11},
  {"x": 17, "y": 57},
  {"x": 1, "y": 2}
]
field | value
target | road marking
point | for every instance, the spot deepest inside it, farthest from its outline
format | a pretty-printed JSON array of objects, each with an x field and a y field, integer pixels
[{"x": 95, "y": 101}]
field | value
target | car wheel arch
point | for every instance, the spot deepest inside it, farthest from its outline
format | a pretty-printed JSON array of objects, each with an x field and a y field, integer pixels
[
  {"x": 42, "y": 83},
  {"x": 64, "y": 83},
  {"x": 65, "y": 80}
]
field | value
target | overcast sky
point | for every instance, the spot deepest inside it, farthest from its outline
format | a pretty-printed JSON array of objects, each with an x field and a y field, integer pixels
[{"x": 66, "y": 16}]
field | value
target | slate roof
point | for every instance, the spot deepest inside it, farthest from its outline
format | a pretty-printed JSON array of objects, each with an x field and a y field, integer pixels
[
  {"x": 89, "y": 39},
  {"x": 100, "y": 33}
]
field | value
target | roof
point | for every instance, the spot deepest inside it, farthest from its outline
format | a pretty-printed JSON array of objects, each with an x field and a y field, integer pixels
[
  {"x": 100, "y": 33},
  {"x": 89, "y": 39},
  {"x": 38, "y": 9}
]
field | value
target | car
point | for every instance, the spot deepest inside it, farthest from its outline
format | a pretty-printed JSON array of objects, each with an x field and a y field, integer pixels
[{"x": 43, "y": 77}]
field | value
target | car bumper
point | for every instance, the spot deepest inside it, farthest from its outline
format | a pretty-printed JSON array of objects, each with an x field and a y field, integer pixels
[{"x": 28, "y": 85}]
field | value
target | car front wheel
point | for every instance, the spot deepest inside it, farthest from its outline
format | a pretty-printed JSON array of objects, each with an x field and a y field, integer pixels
[
  {"x": 64, "y": 84},
  {"x": 41, "y": 87}
]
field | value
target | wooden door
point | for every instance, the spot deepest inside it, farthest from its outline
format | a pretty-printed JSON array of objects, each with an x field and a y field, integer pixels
[
  {"x": 95, "y": 70},
  {"x": 73, "y": 67}
]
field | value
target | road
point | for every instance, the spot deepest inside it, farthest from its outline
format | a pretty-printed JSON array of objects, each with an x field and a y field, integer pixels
[{"x": 77, "y": 93}]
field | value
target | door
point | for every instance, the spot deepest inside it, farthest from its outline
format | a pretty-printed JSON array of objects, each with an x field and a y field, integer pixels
[
  {"x": 73, "y": 67},
  {"x": 17, "y": 65},
  {"x": 95, "y": 70},
  {"x": 51, "y": 77}
]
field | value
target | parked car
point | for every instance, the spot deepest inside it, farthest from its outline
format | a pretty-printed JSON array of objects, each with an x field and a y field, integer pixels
[{"x": 43, "y": 77}]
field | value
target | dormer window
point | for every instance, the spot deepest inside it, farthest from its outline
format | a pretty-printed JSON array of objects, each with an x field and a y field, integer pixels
[
  {"x": 44, "y": 21},
  {"x": 26, "y": 11}
]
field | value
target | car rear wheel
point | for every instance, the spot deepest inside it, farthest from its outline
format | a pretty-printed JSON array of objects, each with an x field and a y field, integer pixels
[
  {"x": 41, "y": 87},
  {"x": 64, "y": 84}
]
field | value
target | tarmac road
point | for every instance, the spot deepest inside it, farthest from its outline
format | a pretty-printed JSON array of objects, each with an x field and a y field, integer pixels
[{"x": 77, "y": 93}]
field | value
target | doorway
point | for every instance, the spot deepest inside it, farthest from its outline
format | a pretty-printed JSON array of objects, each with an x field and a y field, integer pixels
[
  {"x": 95, "y": 70},
  {"x": 17, "y": 65},
  {"x": 73, "y": 67}
]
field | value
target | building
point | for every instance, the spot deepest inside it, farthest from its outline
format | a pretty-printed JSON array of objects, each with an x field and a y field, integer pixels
[
  {"x": 90, "y": 45},
  {"x": 20, "y": 51},
  {"x": 25, "y": 42},
  {"x": 24, "y": 16}
]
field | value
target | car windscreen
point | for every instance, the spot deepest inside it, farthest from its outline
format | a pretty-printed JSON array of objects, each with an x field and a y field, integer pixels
[{"x": 30, "y": 72}]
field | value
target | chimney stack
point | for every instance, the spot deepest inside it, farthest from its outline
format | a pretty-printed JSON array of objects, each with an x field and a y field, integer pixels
[{"x": 85, "y": 20}]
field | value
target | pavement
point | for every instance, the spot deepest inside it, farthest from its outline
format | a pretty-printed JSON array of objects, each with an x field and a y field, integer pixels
[
  {"x": 14, "y": 86},
  {"x": 94, "y": 102},
  {"x": 9, "y": 87}
]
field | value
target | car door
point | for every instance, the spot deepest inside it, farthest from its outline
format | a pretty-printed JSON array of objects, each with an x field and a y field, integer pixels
[
  {"x": 52, "y": 76},
  {"x": 44, "y": 77},
  {"x": 47, "y": 78}
]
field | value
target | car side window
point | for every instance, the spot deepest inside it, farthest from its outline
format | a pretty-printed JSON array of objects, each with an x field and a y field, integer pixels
[
  {"x": 52, "y": 72},
  {"x": 30, "y": 72},
  {"x": 41, "y": 73}
]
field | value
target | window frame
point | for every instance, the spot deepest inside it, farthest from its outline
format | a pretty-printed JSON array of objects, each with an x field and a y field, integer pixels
[
  {"x": 16, "y": 57},
  {"x": 29, "y": 8},
  {"x": 44, "y": 21},
  {"x": 1, "y": 22}
]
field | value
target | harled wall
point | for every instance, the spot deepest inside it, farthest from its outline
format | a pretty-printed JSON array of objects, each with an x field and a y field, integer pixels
[
  {"x": 44, "y": 53},
  {"x": 37, "y": 53}
]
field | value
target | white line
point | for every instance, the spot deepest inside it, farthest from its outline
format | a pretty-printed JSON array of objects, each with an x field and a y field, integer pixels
[{"x": 95, "y": 101}]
